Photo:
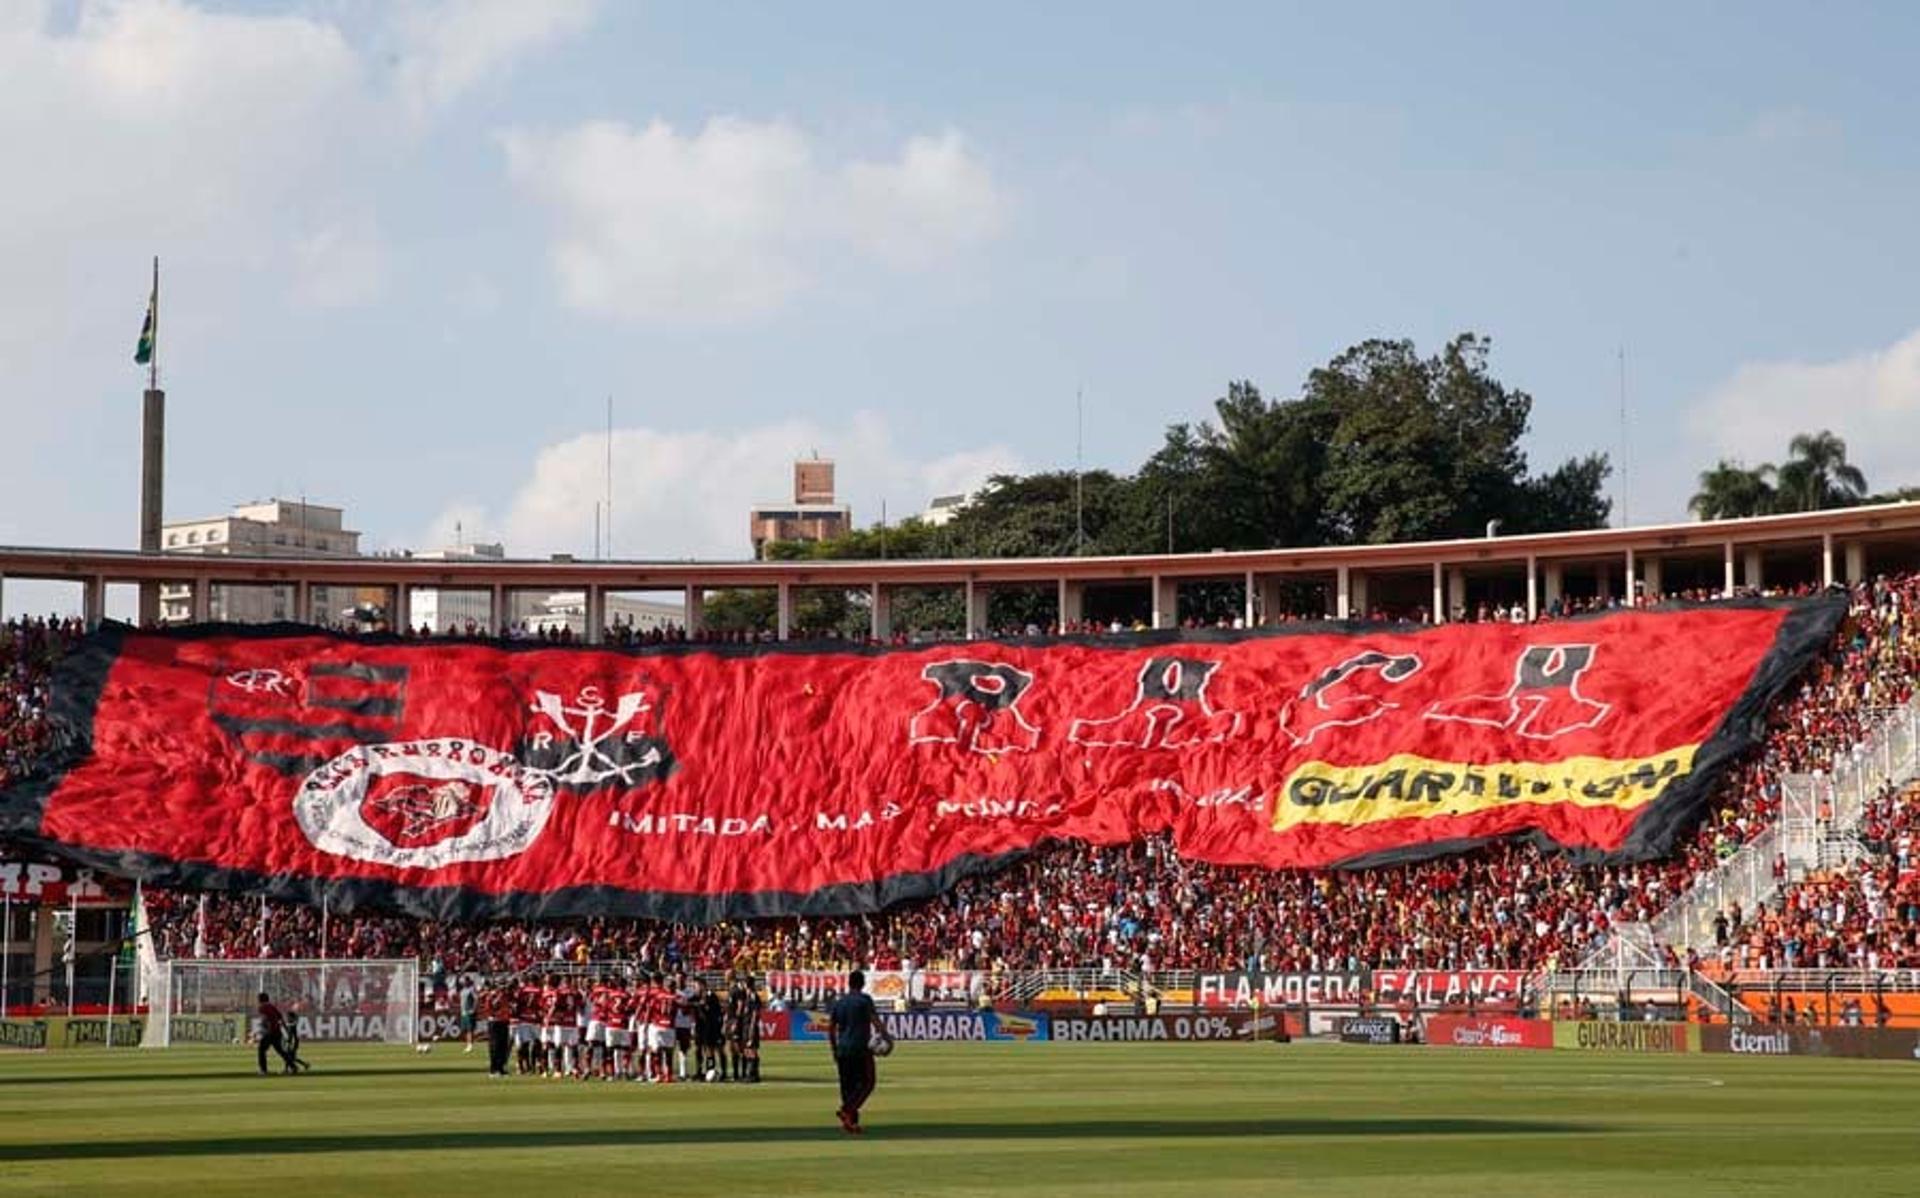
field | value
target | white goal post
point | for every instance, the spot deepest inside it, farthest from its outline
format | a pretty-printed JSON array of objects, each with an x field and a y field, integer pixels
[{"x": 213, "y": 1002}]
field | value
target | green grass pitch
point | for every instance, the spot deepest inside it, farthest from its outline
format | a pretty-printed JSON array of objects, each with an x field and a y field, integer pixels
[{"x": 1114, "y": 1119}]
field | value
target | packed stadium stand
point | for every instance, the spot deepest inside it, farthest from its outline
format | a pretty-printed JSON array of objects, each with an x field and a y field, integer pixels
[{"x": 1142, "y": 907}]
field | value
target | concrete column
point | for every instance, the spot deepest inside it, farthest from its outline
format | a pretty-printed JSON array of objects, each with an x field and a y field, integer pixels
[
  {"x": 1359, "y": 588},
  {"x": 1439, "y": 609},
  {"x": 46, "y": 961},
  {"x": 1826, "y": 559},
  {"x": 1166, "y": 602},
  {"x": 1726, "y": 588},
  {"x": 696, "y": 611},
  {"x": 1533, "y": 589},
  {"x": 499, "y": 609},
  {"x": 783, "y": 621},
  {"x": 880, "y": 609},
  {"x": 401, "y": 617},
  {"x": 93, "y": 601},
  {"x": 1456, "y": 590},
  {"x": 1603, "y": 581},
  {"x": 1856, "y": 561},
  {"x": 1247, "y": 601},
  {"x": 202, "y": 600},
  {"x": 302, "y": 602},
  {"x": 1630, "y": 590},
  {"x": 976, "y": 597},
  {"x": 1343, "y": 594},
  {"x": 1656, "y": 583},
  {"x": 1267, "y": 608},
  {"x": 596, "y": 615},
  {"x": 1556, "y": 582},
  {"x": 153, "y": 461},
  {"x": 1753, "y": 569},
  {"x": 1073, "y": 602}
]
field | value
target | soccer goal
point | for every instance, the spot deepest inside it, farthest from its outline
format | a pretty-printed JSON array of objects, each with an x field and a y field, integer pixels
[{"x": 213, "y": 1002}]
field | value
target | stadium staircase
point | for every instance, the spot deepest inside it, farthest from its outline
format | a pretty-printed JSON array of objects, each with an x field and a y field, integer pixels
[{"x": 1818, "y": 829}]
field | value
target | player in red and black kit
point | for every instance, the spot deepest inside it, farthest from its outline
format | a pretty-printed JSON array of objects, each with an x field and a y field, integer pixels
[
  {"x": 273, "y": 1035},
  {"x": 560, "y": 1019},
  {"x": 527, "y": 997},
  {"x": 599, "y": 1006}
]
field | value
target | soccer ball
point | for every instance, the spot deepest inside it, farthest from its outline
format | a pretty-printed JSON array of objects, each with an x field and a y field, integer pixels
[
  {"x": 713, "y": 1075},
  {"x": 882, "y": 1046},
  {"x": 424, "y": 1046}
]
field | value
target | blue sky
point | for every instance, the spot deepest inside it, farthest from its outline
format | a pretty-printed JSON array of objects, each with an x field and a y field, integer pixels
[{"x": 410, "y": 249}]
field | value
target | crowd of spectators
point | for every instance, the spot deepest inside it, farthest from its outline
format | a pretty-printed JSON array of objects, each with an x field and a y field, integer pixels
[
  {"x": 1143, "y": 906},
  {"x": 28, "y": 649},
  {"x": 1863, "y": 915}
]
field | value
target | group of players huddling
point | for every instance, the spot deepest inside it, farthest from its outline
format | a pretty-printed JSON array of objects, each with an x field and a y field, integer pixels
[{"x": 647, "y": 1028}]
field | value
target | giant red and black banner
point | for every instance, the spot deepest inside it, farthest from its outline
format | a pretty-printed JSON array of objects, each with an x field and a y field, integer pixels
[{"x": 467, "y": 779}]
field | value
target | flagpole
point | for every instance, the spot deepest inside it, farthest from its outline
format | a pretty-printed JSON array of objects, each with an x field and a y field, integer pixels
[
  {"x": 153, "y": 359},
  {"x": 73, "y": 941},
  {"x": 153, "y": 452}
]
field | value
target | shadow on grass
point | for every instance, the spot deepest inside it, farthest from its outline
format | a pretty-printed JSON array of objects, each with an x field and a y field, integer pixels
[
  {"x": 322, "y": 1072},
  {"x": 631, "y": 1137}
]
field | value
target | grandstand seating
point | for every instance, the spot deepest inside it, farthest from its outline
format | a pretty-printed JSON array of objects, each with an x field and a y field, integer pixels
[{"x": 1142, "y": 907}]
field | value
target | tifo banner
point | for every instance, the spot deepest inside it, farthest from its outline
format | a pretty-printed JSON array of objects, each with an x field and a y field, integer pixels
[
  {"x": 1448, "y": 987},
  {"x": 44, "y": 881},
  {"x": 1240, "y": 991},
  {"x": 1887, "y": 1044},
  {"x": 1596, "y": 1036},
  {"x": 1466, "y": 1031},
  {"x": 934, "y": 1025},
  {"x": 701, "y": 783}
]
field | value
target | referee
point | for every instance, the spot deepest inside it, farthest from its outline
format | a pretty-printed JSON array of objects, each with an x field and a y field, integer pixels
[{"x": 851, "y": 1033}]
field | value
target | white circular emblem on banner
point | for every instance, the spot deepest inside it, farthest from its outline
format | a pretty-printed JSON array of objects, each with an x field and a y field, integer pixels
[{"x": 423, "y": 804}]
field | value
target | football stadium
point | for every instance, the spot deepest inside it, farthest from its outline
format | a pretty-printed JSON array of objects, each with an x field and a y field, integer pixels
[{"x": 1432, "y": 774}]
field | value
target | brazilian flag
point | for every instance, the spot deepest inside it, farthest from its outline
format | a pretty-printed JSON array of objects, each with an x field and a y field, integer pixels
[{"x": 143, "y": 352}]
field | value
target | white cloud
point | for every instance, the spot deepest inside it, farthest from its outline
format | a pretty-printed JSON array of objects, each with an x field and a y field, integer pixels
[
  {"x": 233, "y": 140},
  {"x": 736, "y": 219},
  {"x": 339, "y": 265},
  {"x": 1872, "y": 400},
  {"x": 450, "y": 46},
  {"x": 936, "y": 200},
  {"x": 686, "y": 494},
  {"x": 154, "y": 126}
]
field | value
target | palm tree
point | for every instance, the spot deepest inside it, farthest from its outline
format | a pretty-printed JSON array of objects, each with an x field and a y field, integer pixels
[
  {"x": 1817, "y": 475},
  {"x": 1730, "y": 491}
]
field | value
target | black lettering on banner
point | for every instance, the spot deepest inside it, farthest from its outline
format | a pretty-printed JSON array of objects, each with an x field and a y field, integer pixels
[
  {"x": 977, "y": 708},
  {"x": 1170, "y": 710},
  {"x": 1542, "y": 703}
]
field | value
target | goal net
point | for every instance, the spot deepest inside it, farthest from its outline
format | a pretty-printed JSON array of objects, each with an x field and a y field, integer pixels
[{"x": 213, "y": 1002}]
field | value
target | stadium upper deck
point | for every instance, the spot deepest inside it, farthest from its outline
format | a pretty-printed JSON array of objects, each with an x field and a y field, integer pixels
[{"x": 1433, "y": 577}]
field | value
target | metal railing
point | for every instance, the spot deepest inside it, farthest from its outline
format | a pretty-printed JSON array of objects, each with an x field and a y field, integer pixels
[
  {"x": 1030, "y": 984},
  {"x": 1820, "y": 817}
]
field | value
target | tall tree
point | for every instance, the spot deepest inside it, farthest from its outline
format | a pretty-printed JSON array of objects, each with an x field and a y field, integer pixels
[
  {"x": 1817, "y": 475},
  {"x": 1381, "y": 445},
  {"x": 1730, "y": 491}
]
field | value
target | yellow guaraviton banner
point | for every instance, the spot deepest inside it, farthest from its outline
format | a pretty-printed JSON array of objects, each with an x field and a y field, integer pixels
[{"x": 1406, "y": 786}]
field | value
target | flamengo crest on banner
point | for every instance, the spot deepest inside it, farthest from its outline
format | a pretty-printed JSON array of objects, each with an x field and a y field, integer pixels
[{"x": 473, "y": 780}]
